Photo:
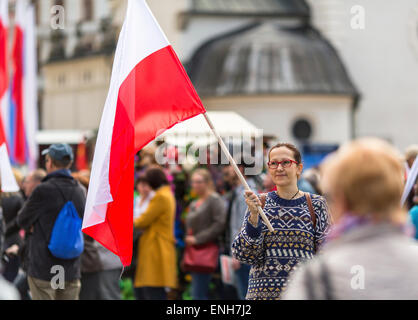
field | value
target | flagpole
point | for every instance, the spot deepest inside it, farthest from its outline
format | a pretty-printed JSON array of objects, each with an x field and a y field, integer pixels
[{"x": 236, "y": 169}]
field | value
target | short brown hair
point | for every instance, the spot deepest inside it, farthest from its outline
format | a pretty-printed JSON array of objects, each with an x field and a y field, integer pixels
[
  {"x": 369, "y": 174},
  {"x": 296, "y": 153},
  {"x": 156, "y": 177},
  {"x": 39, "y": 174},
  {"x": 141, "y": 179}
]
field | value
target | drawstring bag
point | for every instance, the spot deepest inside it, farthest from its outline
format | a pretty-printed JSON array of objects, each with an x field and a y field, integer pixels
[{"x": 66, "y": 240}]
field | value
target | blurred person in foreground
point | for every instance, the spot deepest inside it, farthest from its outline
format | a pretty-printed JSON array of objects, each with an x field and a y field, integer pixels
[
  {"x": 156, "y": 265},
  {"x": 300, "y": 221},
  {"x": 367, "y": 255},
  {"x": 204, "y": 224}
]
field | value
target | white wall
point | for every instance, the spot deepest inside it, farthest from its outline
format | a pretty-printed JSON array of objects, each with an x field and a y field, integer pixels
[
  {"x": 78, "y": 102},
  {"x": 330, "y": 116},
  {"x": 382, "y": 61}
]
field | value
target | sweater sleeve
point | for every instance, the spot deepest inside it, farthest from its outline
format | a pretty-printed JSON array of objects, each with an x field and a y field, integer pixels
[{"x": 248, "y": 246}]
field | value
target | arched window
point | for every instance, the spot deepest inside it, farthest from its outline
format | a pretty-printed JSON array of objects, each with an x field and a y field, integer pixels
[{"x": 302, "y": 129}]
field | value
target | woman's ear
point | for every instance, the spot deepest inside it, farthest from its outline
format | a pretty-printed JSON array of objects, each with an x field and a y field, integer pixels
[{"x": 300, "y": 169}]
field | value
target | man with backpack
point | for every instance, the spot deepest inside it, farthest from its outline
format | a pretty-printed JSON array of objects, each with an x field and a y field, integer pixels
[{"x": 53, "y": 215}]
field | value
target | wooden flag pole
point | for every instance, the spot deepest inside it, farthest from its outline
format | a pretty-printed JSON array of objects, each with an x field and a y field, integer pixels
[{"x": 236, "y": 169}]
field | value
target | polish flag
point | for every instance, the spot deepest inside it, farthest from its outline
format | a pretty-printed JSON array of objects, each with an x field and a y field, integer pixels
[
  {"x": 21, "y": 113},
  {"x": 19, "y": 145},
  {"x": 30, "y": 88},
  {"x": 4, "y": 25},
  {"x": 149, "y": 93},
  {"x": 8, "y": 182}
]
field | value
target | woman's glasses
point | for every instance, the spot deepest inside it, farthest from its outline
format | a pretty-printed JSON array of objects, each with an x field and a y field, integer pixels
[{"x": 285, "y": 163}]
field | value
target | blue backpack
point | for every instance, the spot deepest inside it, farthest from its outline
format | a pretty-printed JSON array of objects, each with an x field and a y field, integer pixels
[{"x": 66, "y": 240}]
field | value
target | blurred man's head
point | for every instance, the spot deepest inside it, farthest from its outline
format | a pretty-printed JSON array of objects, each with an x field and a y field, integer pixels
[
  {"x": 58, "y": 156},
  {"x": 230, "y": 176},
  {"x": 228, "y": 171},
  {"x": 32, "y": 181},
  {"x": 268, "y": 183},
  {"x": 364, "y": 178}
]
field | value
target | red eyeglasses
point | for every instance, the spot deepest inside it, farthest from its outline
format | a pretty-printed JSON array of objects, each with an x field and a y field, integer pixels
[{"x": 285, "y": 163}]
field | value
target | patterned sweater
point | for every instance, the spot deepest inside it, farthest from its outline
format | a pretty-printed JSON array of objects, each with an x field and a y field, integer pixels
[{"x": 274, "y": 255}]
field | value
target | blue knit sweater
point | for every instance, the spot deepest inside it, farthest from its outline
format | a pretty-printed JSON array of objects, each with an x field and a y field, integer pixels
[{"x": 274, "y": 255}]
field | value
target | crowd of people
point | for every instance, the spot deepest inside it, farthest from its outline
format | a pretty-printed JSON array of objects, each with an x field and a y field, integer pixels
[{"x": 327, "y": 220}]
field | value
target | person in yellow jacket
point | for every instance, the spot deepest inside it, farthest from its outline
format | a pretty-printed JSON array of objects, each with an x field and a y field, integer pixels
[{"x": 156, "y": 265}]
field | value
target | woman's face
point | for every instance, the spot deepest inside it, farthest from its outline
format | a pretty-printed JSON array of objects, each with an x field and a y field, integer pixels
[
  {"x": 199, "y": 185},
  {"x": 283, "y": 177},
  {"x": 143, "y": 189}
]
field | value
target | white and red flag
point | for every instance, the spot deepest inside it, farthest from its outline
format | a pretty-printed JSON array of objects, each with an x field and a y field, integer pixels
[
  {"x": 18, "y": 145},
  {"x": 8, "y": 182},
  {"x": 149, "y": 93},
  {"x": 4, "y": 29},
  {"x": 21, "y": 115}
]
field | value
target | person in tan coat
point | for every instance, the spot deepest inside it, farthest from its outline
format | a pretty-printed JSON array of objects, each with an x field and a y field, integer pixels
[{"x": 156, "y": 265}]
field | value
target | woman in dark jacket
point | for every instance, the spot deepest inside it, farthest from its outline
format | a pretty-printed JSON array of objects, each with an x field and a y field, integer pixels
[
  {"x": 11, "y": 203},
  {"x": 205, "y": 223}
]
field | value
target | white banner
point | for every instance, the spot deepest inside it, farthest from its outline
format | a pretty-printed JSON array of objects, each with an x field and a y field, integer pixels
[{"x": 412, "y": 176}]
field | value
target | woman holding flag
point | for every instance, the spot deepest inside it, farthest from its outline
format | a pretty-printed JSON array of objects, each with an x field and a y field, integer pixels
[{"x": 300, "y": 221}]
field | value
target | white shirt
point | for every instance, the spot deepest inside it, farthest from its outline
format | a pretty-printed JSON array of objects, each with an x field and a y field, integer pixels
[{"x": 141, "y": 208}]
